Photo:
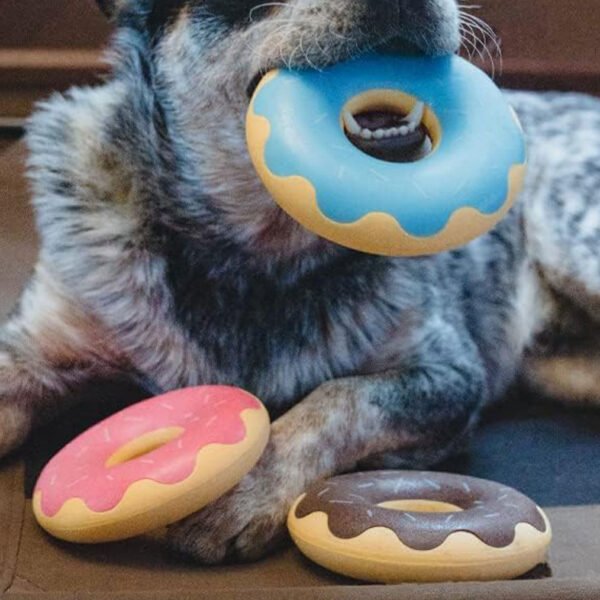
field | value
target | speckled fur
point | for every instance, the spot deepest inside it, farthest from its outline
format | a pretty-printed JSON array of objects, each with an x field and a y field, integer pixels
[{"x": 163, "y": 257}]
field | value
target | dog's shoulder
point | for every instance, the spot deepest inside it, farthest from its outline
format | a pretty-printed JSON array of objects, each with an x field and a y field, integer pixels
[
  {"x": 86, "y": 143},
  {"x": 84, "y": 174},
  {"x": 72, "y": 151}
]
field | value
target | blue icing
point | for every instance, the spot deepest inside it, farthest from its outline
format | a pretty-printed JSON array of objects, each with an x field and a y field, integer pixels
[{"x": 480, "y": 140}]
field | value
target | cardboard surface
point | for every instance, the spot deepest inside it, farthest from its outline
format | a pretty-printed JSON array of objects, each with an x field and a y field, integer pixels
[{"x": 36, "y": 566}]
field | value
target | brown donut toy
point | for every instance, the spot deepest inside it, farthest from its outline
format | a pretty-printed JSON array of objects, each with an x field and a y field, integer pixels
[{"x": 396, "y": 526}]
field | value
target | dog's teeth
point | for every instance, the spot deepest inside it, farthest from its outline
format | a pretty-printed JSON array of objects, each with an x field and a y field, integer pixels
[
  {"x": 408, "y": 125},
  {"x": 414, "y": 118},
  {"x": 351, "y": 124}
]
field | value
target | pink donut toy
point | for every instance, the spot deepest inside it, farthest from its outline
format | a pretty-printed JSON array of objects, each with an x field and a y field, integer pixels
[{"x": 151, "y": 464}]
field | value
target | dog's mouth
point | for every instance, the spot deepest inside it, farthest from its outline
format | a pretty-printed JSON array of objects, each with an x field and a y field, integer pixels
[
  {"x": 385, "y": 132},
  {"x": 389, "y": 134}
]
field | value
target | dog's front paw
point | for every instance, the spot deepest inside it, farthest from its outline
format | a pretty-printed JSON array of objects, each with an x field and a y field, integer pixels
[{"x": 244, "y": 525}]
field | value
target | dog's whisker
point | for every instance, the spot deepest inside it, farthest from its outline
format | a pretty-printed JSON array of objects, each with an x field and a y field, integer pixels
[
  {"x": 479, "y": 34},
  {"x": 305, "y": 54},
  {"x": 260, "y": 7},
  {"x": 468, "y": 45},
  {"x": 485, "y": 29},
  {"x": 321, "y": 49},
  {"x": 498, "y": 53},
  {"x": 481, "y": 22},
  {"x": 487, "y": 50},
  {"x": 339, "y": 35},
  {"x": 280, "y": 34},
  {"x": 483, "y": 52},
  {"x": 472, "y": 42},
  {"x": 482, "y": 35}
]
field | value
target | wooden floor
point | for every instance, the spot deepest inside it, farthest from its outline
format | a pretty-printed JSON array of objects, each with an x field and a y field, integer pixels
[{"x": 18, "y": 244}]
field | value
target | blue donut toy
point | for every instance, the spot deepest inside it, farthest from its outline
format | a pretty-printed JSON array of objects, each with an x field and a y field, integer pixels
[{"x": 386, "y": 154}]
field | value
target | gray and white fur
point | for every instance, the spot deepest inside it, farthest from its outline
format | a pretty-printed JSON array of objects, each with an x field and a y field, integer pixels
[{"x": 163, "y": 258}]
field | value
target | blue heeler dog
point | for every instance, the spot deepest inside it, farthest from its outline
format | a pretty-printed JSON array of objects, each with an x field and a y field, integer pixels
[{"x": 163, "y": 257}]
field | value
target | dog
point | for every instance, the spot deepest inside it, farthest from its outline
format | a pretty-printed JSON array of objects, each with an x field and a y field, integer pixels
[{"x": 163, "y": 258}]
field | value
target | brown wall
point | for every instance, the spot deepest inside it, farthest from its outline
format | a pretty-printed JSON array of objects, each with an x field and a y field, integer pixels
[
  {"x": 50, "y": 44},
  {"x": 547, "y": 43},
  {"x": 46, "y": 45},
  {"x": 51, "y": 24}
]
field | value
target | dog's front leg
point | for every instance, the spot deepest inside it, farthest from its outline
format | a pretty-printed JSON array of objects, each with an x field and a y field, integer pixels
[
  {"x": 425, "y": 406},
  {"x": 49, "y": 346}
]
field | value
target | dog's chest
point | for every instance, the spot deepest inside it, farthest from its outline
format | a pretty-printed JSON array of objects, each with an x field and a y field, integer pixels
[{"x": 283, "y": 340}]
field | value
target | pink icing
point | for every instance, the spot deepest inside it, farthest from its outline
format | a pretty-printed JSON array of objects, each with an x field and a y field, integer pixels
[{"x": 208, "y": 415}]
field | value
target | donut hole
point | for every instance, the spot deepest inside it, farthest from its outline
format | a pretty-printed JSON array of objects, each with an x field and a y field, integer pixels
[
  {"x": 421, "y": 505},
  {"x": 143, "y": 445},
  {"x": 395, "y": 148},
  {"x": 390, "y": 125}
]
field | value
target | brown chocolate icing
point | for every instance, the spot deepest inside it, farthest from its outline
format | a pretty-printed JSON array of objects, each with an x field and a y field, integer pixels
[{"x": 490, "y": 510}]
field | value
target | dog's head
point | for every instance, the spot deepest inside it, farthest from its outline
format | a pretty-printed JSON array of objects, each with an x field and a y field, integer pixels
[{"x": 207, "y": 57}]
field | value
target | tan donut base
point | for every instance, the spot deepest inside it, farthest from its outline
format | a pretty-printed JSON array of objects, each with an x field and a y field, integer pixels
[
  {"x": 148, "y": 505},
  {"x": 376, "y": 232},
  {"x": 378, "y": 555}
]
